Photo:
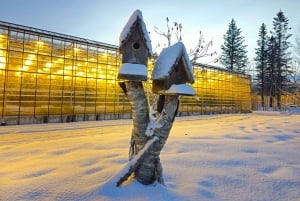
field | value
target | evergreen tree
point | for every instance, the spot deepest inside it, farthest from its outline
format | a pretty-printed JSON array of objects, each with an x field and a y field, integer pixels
[
  {"x": 270, "y": 80},
  {"x": 282, "y": 57},
  {"x": 261, "y": 59},
  {"x": 234, "y": 54}
]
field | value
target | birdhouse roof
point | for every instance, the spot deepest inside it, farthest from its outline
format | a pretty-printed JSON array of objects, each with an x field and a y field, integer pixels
[
  {"x": 168, "y": 58},
  {"x": 135, "y": 19}
]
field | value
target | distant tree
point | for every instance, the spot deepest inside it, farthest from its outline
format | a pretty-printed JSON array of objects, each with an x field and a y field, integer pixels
[
  {"x": 201, "y": 50},
  {"x": 234, "y": 54},
  {"x": 271, "y": 69},
  {"x": 282, "y": 57},
  {"x": 294, "y": 77},
  {"x": 297, "y": 46},
  {"x": 295, "y": 71},
  {"x": 261, "y": 60}
]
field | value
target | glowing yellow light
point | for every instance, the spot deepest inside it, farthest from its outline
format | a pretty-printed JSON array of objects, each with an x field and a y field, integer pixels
[
  {"x": 60, "y": 72},
  {"x": 59, "y": 60},
  {"x": 2, "y": 65},
  {"x": 104, "y": 54},
  {"x": 48, "y": 65},
  {"x": 69, "y": 68},
  {"x": 31, "y": 56},
  {"x": 76, "y": 49},
  {"x": 80, "y": 73},
  {"x": 91, "y": 76},
  {"x": 2, "y": 62},
  {"x": 28, "y": 63},
  {"x": 102, "y": 76},
  {"x": 40, "y": 43},
  {"x": 23, "y": 68}
]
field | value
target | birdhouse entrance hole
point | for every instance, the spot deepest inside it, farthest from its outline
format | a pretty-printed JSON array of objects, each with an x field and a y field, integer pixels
[{"x": 136, "y": 46}]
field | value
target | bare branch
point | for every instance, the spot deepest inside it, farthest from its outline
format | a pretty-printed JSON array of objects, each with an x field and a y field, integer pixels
[{"x": 201, "y": 50}]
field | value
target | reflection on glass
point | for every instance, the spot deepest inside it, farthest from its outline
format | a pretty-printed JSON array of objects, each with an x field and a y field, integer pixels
[{"x": 47, "y": 75}]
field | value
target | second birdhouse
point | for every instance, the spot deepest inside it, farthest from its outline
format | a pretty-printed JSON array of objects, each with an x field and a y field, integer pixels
[
  {"x": 172, "y": 71},
  {"x": 135, "y": 47}
]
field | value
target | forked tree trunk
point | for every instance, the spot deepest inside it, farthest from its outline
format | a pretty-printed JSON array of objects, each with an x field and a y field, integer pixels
[
  {"x": 139, "y": 109},
  {"x": 149, "y": 168}
]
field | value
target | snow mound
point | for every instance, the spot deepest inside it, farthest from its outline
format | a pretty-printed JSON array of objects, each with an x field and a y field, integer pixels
[
  {"x": 293, "y": 110},
  {"x": 137, "y": 191}
]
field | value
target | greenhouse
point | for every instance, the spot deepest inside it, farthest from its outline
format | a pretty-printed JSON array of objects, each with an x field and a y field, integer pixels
[{"x": 47, "y": 77}]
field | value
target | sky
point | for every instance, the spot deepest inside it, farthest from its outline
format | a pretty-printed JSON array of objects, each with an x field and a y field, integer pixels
[{"x": 103, "y": 21}]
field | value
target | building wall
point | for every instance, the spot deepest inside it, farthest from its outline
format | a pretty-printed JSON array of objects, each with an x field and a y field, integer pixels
[{"x": 51, "y": 77}]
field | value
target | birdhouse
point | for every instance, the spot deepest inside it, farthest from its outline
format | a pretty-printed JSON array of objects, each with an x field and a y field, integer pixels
[
  {"x": 135, "y": 47},
  {"x": 172, "y": 72}
]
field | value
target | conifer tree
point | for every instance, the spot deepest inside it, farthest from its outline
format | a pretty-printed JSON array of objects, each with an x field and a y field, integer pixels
[
  {"x": 261, "y": 60},
  {"x": 234, "y": 54},
  {"x": 271, "y": 69},
  {"x": 282, "y": 57}
]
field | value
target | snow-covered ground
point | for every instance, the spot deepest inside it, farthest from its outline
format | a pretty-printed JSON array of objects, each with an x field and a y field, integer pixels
[{"x": 222, "y": 157}]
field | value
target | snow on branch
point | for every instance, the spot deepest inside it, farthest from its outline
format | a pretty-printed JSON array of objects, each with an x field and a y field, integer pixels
[{"x": 134, "y": 162}]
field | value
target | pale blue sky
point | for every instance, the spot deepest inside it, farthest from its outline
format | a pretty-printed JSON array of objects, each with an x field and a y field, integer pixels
[{"x": 103, "y": 20}]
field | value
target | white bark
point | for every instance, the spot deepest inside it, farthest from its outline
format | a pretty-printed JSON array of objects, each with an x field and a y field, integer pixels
[
  {"x": 144, "y": 151},
  {"x": 145, "y": 164}
]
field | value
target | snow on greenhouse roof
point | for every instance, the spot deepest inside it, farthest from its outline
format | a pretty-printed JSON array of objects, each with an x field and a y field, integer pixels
[
  {"x": 135, "y": 18},
  {"x": 168, "y": 58}
]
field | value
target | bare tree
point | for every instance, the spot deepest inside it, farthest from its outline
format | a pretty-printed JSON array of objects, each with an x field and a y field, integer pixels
[
  {"x": 297, "y": 46},
  {"x": 167, "y": 34},
  {"x": 201, "y": 50},
  {"x": 295, "y": 81}
]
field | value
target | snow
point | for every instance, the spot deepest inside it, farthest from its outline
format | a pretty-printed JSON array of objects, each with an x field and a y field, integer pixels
[
  {"x": 167, "y": 58},
  {"x": 238, "y": 157},
  {"x": 136, "y": 15},
  {"x": 182, "y": 89},
  {"x": 133, "y": 69}
]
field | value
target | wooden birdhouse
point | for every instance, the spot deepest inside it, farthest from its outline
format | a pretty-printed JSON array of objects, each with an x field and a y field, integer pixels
[
  {"x": 172, "y": 72},
  {"x": 135, "y": 47}
]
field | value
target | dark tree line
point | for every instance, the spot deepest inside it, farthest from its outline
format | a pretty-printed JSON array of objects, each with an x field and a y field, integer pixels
[{"x": 272, "y": 60}]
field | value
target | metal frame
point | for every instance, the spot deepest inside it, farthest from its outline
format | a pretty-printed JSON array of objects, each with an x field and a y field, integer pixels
[{"x": 51, "y": 77}]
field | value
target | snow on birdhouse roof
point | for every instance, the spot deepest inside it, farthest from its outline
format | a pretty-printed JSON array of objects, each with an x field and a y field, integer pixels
[
  {"x": 168, "y": 58},
  {"x": 179, "y": 89},
  {"x": 134, "y": 18},
  {"x": 137, "y": 71}
]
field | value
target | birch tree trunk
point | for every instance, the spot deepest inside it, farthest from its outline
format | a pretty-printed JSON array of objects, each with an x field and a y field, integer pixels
[
  {"x": 149, "y": 168},
  {"x": 140, "y": 116}
]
